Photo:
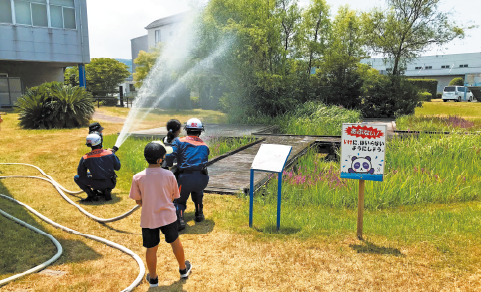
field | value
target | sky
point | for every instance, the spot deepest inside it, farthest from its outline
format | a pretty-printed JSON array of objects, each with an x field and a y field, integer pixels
[{"x": 113, "y": 23}]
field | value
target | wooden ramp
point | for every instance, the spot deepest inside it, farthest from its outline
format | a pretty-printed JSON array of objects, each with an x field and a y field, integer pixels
[{"x": 231, "y": 174}]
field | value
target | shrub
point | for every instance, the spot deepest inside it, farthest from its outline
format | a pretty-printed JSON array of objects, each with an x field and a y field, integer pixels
[
  {"x": 426, "y": 85},
  {"x": 458, "y": 81},
  {"x": 54, "y": 105},
  {"x": 439, "y": 95},
  {"x": 388, "y": 96},
  {"x": 425, "y": 96}
]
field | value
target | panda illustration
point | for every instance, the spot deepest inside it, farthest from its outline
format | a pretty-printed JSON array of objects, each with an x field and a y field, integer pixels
[{"x": 361, "y": 165}]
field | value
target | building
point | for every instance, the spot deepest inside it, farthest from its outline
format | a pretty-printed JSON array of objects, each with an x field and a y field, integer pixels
[
  {"x": 440, "y": 67},
  {"x": 38, "y": 40},
  {"x": 161, "y": 30}
]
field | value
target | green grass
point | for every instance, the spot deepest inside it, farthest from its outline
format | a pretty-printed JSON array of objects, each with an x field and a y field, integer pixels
[
  {"x": 467, "y": 110},
  {"x": 443, "y": 124}
]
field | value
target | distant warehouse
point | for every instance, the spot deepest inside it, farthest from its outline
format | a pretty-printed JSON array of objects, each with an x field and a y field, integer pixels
[{"x": 440, "y": 67}]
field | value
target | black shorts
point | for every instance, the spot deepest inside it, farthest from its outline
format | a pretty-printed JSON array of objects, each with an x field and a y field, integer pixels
[{"x": 151, "y": 237}]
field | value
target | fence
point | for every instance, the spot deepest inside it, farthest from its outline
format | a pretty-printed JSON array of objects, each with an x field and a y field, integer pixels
[
  {"x": 112, "y": 101},
  {"x": 11, "y": 88}
]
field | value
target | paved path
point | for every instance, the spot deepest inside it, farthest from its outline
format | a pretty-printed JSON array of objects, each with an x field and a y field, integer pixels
[
  {"x": 107, "y": 118},
  {"x": 390, "y": 124}
]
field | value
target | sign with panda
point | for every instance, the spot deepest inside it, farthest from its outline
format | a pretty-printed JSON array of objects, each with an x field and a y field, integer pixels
[{"x": 363, "y": 147}]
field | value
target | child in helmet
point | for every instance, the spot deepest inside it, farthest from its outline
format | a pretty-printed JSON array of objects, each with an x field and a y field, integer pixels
[
  {"x": 102, "y": 165},
  {"x": 154, "y": 189},
  {"x": 192, "y": 155}
]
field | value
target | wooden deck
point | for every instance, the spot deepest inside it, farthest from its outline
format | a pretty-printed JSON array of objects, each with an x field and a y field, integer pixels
[{"x": 231, "y": 174}]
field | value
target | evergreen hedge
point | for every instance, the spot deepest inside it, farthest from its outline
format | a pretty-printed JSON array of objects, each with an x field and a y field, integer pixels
[{"x": 428, "y": 85}]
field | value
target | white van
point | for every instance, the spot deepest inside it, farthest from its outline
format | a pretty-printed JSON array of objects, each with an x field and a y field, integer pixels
[{"x": 456, "y": 93}]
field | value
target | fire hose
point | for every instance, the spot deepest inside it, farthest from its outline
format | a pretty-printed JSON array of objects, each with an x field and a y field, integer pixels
[{"x": 61, "y": 191}]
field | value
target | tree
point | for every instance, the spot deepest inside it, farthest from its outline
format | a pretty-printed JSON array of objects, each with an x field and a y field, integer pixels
[
  {"x": 315, "y": 31},
  {"x": 458, "y": 81},
  {"x": 103, "y": 76},
  {"x": 408, "y": 29},
  {"x": 144, "y": 61}
]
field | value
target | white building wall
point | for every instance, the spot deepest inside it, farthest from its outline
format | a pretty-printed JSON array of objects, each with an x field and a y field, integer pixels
[{"x": 431, "y": 67}]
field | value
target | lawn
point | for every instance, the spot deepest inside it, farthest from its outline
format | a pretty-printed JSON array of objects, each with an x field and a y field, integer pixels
[
  {"x": 411, "y": 244},
  {"x": 443, "y": 116}
]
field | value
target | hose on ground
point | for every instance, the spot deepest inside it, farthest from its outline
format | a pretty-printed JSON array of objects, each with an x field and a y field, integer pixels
[
  {"x": 41, "y": 266},
  {"x": 60, "y": 189},
  {"x": 96, "y": 238}
]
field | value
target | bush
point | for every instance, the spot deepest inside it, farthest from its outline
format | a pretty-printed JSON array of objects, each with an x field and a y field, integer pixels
[
  {"x": 388, "y": 96},
  {"x": 425, "y": 96},
  {"x": 54, "y": 105},
  {"x": 439, "y": 95},
  {"x": 458, "y": 81},
  {"x": 426, "y": 85}
]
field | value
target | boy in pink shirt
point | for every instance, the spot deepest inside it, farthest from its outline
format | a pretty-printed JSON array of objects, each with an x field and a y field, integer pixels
[{"x": 155, "y": 189}]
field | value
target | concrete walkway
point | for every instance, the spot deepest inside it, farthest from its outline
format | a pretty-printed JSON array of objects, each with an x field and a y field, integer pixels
[{"x": 390, "y": 124}]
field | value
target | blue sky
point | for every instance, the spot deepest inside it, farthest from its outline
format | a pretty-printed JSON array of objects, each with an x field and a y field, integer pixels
[{"x": 113, "y": 23}]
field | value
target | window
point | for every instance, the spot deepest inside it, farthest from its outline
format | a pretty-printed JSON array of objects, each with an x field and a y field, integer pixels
[
  {"x": 418, "y": 68},
  {"x": 463, "y": 66},
  {"x": 62, "y": 14},
  {"x": 35, "y": 13},
  {"x": 460, "y": 89},
  {"x": 23, "y": 14},
  {"x": 5, "y": 11},
  {"x": 39, "y": 14},
  {"x": 157, "y": 36},
  {"x": 445, "y": 67},
  {"x": 428, "y": 67},
  {"x": 449, "y": 89}
]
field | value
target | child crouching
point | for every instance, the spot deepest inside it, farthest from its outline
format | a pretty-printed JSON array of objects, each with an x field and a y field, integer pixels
[{"x": 155, "y": 189}]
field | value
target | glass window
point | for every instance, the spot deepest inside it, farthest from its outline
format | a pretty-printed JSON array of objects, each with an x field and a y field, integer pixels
[
  {"x": 39, "y": 15},
  {"x": 68, "y": 3},
  {"x": 449, "y": 89},
  {"x": 461, "y": 89},
  {"x": 56, "y": 19},
  {"x": 5, "y": 11},
  {"x": 22, "y": 12},
  {"x": 157, "y": 36},
  {"x": 69, "y": 18}
]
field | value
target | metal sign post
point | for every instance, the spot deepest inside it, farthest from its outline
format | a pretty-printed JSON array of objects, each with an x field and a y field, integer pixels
[{"x": 270, "y": 158}]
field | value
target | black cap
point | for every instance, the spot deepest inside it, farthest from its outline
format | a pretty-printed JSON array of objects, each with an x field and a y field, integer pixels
[
  {"x": 153, "y": 151},
  {"x": 95, "y": 127}
]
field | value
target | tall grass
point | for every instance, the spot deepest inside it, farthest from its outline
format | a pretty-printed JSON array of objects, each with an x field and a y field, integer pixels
[
  {"x": 419, "y": 170},
  {"x": 435, "y": 123},
  {"x": 310, "y": 118}
]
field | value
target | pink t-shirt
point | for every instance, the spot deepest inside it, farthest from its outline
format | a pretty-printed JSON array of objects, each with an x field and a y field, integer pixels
[{"x": 157, "y": 188}]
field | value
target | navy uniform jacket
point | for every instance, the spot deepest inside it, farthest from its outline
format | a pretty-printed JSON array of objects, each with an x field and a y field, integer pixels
[
  {"x": 191, "y": 153},
  {"x": 101, "y": 164}
]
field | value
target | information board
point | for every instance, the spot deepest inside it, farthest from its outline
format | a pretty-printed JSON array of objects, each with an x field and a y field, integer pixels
[
  {"x": 271, "y": 157},
  {"x": 363, "y": 148}
]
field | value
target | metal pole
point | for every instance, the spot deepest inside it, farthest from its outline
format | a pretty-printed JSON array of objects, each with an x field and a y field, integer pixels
[
  {"x": 360, "y": 209},
  {"x": 279, "y": 192},
  {"x": 251, "y": 195},
  {"x": 121, "y": 94}
]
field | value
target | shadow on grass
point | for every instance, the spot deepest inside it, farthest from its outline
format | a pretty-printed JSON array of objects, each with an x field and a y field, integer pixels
[
  {"x": 272, "y": 229},
  {"x": 204, "y": 227},
  {"x": 369, "y": 247},
  {"x": 176, "y": 286},
  {"x": 18, "y": 254}
]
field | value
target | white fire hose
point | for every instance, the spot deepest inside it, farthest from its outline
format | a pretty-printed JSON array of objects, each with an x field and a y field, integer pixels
[{"x": 61, "y": 191}]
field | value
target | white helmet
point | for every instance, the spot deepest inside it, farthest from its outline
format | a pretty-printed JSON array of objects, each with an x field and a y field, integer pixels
[
  {"x": 93, "y": 140},
  {"x": 194, "y": 124}
]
